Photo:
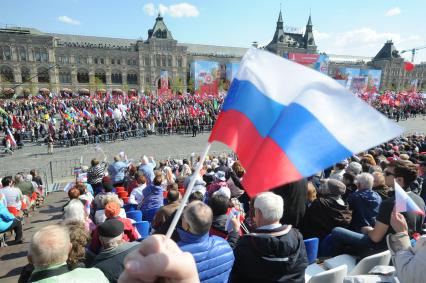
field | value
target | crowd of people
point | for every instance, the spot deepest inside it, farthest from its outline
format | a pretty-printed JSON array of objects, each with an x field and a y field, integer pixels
[
  {"x": 223, "y": 234},
  {"x": 69, "y": 121},
  {"x": 82, "y": 120}
]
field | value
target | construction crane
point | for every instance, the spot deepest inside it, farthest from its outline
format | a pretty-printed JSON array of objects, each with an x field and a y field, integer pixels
[{"x": 413, "y": 51}]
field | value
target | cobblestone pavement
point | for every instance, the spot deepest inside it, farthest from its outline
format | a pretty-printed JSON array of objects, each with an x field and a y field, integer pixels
[{"x": 33, "y": 156}]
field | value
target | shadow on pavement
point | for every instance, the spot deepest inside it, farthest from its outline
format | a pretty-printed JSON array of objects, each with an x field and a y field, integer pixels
[{"x": 14, "y": 255}]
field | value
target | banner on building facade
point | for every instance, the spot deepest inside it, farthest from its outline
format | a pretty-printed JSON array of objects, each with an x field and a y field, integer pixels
[
  {"x": 318, "y": 62},
  {"x": 206, "y": 76},
  {"x": 359, "y": 80}
]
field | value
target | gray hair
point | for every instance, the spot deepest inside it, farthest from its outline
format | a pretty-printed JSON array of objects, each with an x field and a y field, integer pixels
[
  {"x": 199, "y": 217},
  {"x": 354, "y": 167},
  {"x": 50, "y": 245},
  {"x": 270, "y": 205},
  {"x": 365, "y": 181},
  {"x": 74, "y": 211},
  {"x": 110, "y": 243}
]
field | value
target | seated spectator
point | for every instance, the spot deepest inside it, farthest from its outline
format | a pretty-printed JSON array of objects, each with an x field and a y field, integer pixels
[
  {"x": 169, "y": 178},
  {"x": 100, "y": 214},
  {"x": 85, "y": 196},
  {"x": 8, "y": 222},
  {"x": 339, "y": 170},
  {"x": 327, "y": 211},
  {"x": 219, "y": 182},
  {"x": 111, "y": 259},
  {"x": 112, "y": 211},
  {"x": 97, "y": 202},
  {"x": 354, "y": 167},
  {"x": 48, "y": 252},
  {"x": 213, "y": 255},
  {"x": 235, "y": 179},
  {"x": 136, "y": 196},
  {"x": 408, "y": 261},
  {"x": 13, "y": 195},
  {"x": 364, "y": 203},
  {"x": 74, "y": 194},
  {"x": 275, "y": 252},
  {"x": 80, "y": 238},
  {"x": 349, "y": 181},
  {"x": 152, "y": 195},
  {"x": 312, "y": 194},
  {"x": 168, "y": 210},
  {"x": 75, "y": 212},
  {"x": 117, "y": 171},
  {"x": 220, "y": 205},
  {"x": 130, "y": 178},
  {"x": 379, "y": 185},
  {"x": 372, "y": 239}
]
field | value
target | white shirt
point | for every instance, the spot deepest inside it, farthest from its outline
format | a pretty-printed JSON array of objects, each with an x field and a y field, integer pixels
[
  {"x": 136, "y": 196},
  {"x": 13, "y": 196}
]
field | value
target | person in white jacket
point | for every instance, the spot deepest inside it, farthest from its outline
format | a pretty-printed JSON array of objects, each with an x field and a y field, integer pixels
[{"x": 409, "y": 261}]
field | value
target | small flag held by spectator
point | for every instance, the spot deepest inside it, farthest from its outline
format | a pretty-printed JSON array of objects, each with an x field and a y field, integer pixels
[{"x": 403, "y": 202}]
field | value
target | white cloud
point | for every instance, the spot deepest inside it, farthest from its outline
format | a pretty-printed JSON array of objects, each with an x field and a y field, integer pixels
[
  {"x": 393, "y": 12},
  {"x": 180, "y": 10},
  {"x": 68, "y": 20},
  {"x": 321, "y": 35},
  {"x": 149, "y": 9},
  {"x": 364, "y": 36}
]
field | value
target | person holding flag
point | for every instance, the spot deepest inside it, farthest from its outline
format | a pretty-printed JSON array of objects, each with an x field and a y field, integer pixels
[{"x": 373, "y": 239}]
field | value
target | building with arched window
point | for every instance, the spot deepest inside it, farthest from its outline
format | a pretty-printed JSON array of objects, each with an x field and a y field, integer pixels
[{"x": 57, "y": 61}]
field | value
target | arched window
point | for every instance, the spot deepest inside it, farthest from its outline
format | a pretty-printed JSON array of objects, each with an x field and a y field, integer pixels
[
  {"x": 163, "y": 61},
  {"x": 147, "y": 80},
  {"x": 5, "y": 53},
  {"x": 82, "y": 76},
  {"x": 132, "y": 79},
  {"x": 40, "y": 55},
  {"x": 100, "y": 77},
  {"x": 6, "y": 74},
  {"x": 180, "y": 62},
  {"x": 81, "y": 60},
  {"x": 169, "y": 61},
  {"x": 158, "y": 60},
  {"x": 22, "y": 51},
  {"x": 116, "y": 78},
  {"x": 43, "y": 75},
  {"x": 65, "y": 76},
  {"x": 25, "y": 74},
  {"x": 147, "y": 60}
]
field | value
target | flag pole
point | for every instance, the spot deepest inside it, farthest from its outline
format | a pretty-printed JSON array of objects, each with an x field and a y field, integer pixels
[{"x": 188, "y": 192}]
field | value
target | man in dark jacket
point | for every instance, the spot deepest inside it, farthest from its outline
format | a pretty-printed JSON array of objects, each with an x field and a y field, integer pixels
[
  {"x": 111, "y": 259},
  {"x": 219, "y": 205},
  {"x": 275, "y": 252},
  {"x": 327, "y": 211}
]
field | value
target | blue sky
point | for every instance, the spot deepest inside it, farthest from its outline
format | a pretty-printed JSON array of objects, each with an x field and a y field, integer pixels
[{"x": 341, "y": 27}]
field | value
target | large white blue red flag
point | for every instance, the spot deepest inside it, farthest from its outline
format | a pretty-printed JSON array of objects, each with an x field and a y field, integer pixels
[
  {"x": 286, "y": 121},
  {"x": 9, "y": 136},
  {"x": 403, "y": 202}
]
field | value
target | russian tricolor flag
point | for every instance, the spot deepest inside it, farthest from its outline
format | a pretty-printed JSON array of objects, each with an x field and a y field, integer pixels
[
  {"x": 403, "y": 202},
  {"x": 87, "y": 114},
  {"x": 11, "y": 138},
  {"x": 286, "y": 121},
  {"x": 110, "y": 112}
]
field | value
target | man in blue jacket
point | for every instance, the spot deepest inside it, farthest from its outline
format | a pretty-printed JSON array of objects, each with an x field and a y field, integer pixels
[
  {"x": 213, "y": 255},
  {"x": 117, "y": 171},
  {"x": 8, "y": 222},
  {"x": 364, "y": 203}
]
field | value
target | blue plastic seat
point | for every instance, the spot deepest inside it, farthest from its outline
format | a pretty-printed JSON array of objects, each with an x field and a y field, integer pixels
[
  {"x": 311, "y": 249},
  {"x": 149, "y": 214},
  {"x": 129, "y": 207},
  {"x": 135, "y": 215},
  {"x": 143, "y": 228}
]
